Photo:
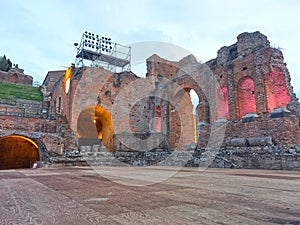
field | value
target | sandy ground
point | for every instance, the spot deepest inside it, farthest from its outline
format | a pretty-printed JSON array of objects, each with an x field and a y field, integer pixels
[{"x": 148, "y": 195}]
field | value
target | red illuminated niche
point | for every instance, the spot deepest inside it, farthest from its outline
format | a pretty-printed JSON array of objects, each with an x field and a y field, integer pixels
[
  {"x": 277, "y": 92},
  {"x": 247, "y": 97}
]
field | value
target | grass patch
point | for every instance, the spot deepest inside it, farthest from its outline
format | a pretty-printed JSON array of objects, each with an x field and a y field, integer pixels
[{"x": 10, "y": 92}]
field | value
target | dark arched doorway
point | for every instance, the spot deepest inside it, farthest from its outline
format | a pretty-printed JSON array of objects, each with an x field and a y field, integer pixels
[
  {"x": 94, "y": 124},
  {"x": 18, "y": 152}
]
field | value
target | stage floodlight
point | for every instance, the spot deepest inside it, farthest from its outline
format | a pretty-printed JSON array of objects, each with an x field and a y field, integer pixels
[{"x": 101, "y": 50}]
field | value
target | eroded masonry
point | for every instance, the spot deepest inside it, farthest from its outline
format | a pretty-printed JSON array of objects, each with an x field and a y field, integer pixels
[{"x": 247, "y": 115}]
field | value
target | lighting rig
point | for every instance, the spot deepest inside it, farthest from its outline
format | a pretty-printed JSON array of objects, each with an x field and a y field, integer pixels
[{"x": 102, "y": 52}]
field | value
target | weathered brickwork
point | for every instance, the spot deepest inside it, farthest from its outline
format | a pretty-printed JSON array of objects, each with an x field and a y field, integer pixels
[
  {"x": 16, "y": 76},
  {"x": 247, "y": 115}
]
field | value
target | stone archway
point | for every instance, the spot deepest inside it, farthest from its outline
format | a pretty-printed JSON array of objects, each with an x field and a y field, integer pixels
[
  {"x": 18, "y": 151},
  {"x": 95, "y": 125}
]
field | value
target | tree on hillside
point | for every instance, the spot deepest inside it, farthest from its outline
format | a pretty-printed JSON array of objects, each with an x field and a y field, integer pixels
[{"x": 5, "y": 64}]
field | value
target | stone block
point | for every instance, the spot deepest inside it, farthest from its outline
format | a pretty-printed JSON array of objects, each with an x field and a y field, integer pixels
[
  {"x": 95, "y": 148},
  {"x": 260, "y": 141},
  {"x": 279, "y": 113},
  {"x": 249, "y": 117},
  {"x": 238, "y": 142},
  {"x": 102, "y": 149}
]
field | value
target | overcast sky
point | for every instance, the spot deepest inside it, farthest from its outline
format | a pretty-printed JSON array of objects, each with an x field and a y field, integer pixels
[{"x": 39, "y": 34}]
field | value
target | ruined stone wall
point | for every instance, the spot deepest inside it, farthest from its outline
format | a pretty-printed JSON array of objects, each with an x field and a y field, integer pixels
[
  {"x": 43, "y": 130},
  {"x": 58, "y": 98},
  {"x": 161, "y": 68},
  {"x": 254, "y": 75},
  {"x": 258, "y": 157},
  {"x": 16, "y": 76},
  {"x": 28, "y": 124},
  {"x": 283, "y": 131},
  {"x": 25, "y": 108}
]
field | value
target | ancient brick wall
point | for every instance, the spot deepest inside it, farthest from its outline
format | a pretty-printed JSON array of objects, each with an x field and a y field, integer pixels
[
  {"x": 252, "y": 58},
  {"x": 161, "y": 68},
  {"x": 283, "y": 131},
  {"x": 16, "y": 76},
  {"x": 28, "y": 124}
]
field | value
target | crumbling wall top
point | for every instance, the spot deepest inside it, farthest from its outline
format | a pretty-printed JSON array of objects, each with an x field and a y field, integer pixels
[{"x": 249, "y": 41}]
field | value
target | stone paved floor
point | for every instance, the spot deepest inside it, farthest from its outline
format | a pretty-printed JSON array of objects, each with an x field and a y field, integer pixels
[{"x": 160, "y": 195}]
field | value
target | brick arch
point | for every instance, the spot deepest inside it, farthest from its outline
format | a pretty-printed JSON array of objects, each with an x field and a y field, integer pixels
[
  {"x": 184, "y": 84},
  {"x": 246, "y": 96},
  {"x": 87, "y": 92},
  {"x": 95, "y": 123},
  {"x": 43, "y": 151},
  {"x": 277, "y": 92},
  {"x": 21, "y": 151}
]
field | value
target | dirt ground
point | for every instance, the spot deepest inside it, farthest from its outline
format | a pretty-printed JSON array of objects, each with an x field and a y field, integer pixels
[{"x": 148, "y": 195}]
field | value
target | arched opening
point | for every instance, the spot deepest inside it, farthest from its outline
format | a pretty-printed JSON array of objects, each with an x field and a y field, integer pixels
[
  {"x": 247, "y": 102},
  {"x": 95, "y": 127},
  {"x": 184, "y": 116},
  {"x": 277, "y": 91},
  {"x": 157, "y": 125},
  {"x": 195, "y": 102},
  {"x": 222, "y": 103},
  {"x": 18, "y": 152}
]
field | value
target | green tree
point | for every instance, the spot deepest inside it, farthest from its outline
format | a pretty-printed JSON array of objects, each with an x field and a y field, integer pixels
[{"x": 5, "y": 64}]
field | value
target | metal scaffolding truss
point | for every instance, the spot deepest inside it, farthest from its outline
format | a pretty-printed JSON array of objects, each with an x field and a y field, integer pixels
[{"x": 102, "y": 52}]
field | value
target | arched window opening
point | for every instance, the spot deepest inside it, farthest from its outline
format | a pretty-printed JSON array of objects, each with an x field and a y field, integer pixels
[{"x": 195, "y": 102}]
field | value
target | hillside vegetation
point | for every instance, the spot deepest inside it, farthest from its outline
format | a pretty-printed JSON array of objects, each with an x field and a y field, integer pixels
[{"x": 10, "y": 92}]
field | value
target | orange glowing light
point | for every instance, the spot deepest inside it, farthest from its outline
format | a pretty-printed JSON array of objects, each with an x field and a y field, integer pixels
[
  {"x": 67, "y": 79},
  {"x": 24, "y": 138}
]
